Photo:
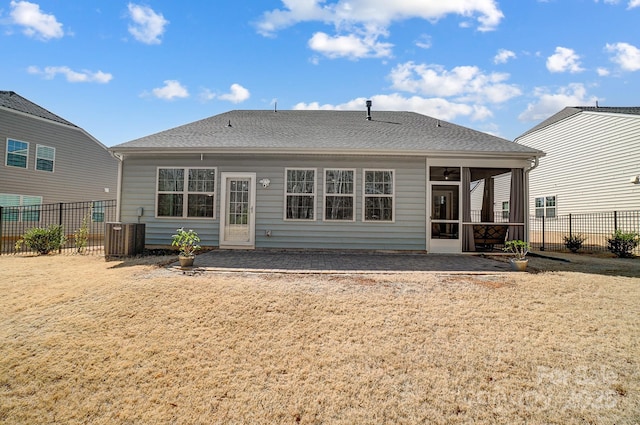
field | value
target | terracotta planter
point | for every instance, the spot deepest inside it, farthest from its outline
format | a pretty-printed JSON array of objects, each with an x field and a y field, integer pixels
[
  {"x": 519, "y": 265},
  {"x": 186, "y": 261}
]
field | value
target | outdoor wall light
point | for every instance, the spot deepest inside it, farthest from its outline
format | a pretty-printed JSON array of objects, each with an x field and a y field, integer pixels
[
  {"x": 635, "y": 179},
  {"x": 265, "y": 183}
]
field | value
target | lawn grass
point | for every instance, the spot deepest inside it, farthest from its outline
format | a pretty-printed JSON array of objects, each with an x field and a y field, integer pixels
[{"x": 84, "y": 341}]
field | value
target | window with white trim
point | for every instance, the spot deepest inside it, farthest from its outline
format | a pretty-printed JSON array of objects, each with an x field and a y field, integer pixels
[
  {"x": 17, "y": 153},
  {"x": 20, "y": 208},
  {"x": 300, "y": 193},
  {"x": 379, "y": 195},
  {"x": 339, "y": 195},
  {"x": 45, "y": 158},
  {"x": 186, "y": 192},
  {"x": 505, "y": 210},
  {"x": 546, "y": 206}
]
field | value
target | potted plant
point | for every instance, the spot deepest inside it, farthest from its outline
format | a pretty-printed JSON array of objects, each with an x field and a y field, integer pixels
[
  {"x": 519, "y": 249},
  {"x": 574, "y": 242},
  {"x": 187, "y": 243}
]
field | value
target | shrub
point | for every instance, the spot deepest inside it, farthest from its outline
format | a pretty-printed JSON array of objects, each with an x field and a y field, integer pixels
[
  {"x": 186, "y": 241},
  {"x": 81, "y": 236},
  {"x": 574, "y": 242},
  {"x": 518, "y": 248},
  {"x": 43, "y": 240},
  {"x": 621, "y": 243}
]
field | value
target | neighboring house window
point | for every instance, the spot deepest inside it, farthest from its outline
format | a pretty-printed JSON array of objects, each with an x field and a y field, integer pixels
[
  {"x": 97, "y": 211},
  {"x": 20, "y": 207},
  {"x": 505, "y": 210},
  {"x": 339, "y": 195},
  {"x": 45, "y": 158},
  {"x": 378, "y": 195},
  {"x": 17, "y": 153},
  {"x": 546, "y": 206},
  {"x": 300, "y": 194},
  {"x": 186, "y": 192}
]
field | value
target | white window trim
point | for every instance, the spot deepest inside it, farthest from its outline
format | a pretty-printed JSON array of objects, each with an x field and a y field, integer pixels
[
  {"x": 544, "y": 207},
  {"x": 365, "y": 195},
  {"x": 35, "y": 165},
  {"x": 185, "y": 193},
  {"x": 325, "y": 195},
  {"x": 314, "y": 194},
  {"x": 6, "y": 154}
]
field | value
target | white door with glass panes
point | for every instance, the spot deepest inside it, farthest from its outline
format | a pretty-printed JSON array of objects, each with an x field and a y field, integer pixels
[
  {"x": 237, "y": 218},
  {"x": 444, "y": 210}
]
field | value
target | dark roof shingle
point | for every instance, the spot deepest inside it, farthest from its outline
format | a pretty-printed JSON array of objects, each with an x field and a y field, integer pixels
[
  {"x": 325, "y": 131},
  {"x": 12, "y": 100}
]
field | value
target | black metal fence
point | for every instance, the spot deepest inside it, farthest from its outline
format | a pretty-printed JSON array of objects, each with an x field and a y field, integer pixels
[
  {"x": 83, "y": 224},
  {"x": 547, "y": 233}
]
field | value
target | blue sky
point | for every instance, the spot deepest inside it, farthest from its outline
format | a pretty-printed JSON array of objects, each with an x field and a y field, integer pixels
[{"x": 123, "y": 70}]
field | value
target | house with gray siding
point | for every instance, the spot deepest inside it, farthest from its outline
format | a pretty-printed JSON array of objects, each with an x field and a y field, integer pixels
[
  {"x": 47, "y": 159},
  {"x": 592, "y": 162},
  {"x": 378, "y": 180}
]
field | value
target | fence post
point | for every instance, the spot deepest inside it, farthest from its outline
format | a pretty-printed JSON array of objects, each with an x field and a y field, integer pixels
[
  {"x": 542, "y": 247},
  {"x": 615, "y": 221},
  {"x": 60, "y": 208},
  {"x": 1, "y": 242}
]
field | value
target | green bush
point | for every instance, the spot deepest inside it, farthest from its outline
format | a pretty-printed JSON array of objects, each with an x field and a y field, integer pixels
[
  {"x": 574, "y": 242},
  {"x": 43, "y": 240},
  {"x": 622, "y": 244},
  {"x": 81, "y": 236}
]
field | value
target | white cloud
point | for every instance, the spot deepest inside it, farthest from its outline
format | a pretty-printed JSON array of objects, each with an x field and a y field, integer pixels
[
  {"x": 633, "y": 3},
  {"x": 238, "y": 94},
  {"x": 172, "y": 89},
  {"x": 503, "y": 56},
  {"x": 148, "y": 26},
  {"x": 564, "y": 60},
  {"x": 465, "y": 83},
  {"x": 72, "y": 76},
  {"x": 36, "y": 23},
  {"x": 434, "y": 107},
  {"x": 603, "y": 72},
  {"x": 550, "y": 103},
  {"x": 424, "y": 41},
  {"x": 625, "y": 55},
  {"x": 378, "y": 12},
  {"x": 349, "y": 46}
]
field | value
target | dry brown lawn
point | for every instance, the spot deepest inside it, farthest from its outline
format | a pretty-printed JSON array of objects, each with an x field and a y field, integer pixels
[{"x": 91, "y": 342}]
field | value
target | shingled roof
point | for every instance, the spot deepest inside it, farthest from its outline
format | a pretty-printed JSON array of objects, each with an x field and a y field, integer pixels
[
  {"x": 572, "y": 110},
  {"x": 12, "y": 100},
  {"x": 324, "y": 132}
]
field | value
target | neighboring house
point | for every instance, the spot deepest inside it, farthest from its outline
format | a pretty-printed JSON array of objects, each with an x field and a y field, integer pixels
[
  {"x": 46, "y": 159},
  {"x": 592, "y": 162},
  {"x": 317, "y": 180}
]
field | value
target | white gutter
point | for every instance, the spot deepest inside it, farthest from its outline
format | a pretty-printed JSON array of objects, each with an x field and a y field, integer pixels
[{"x": 120, "y": 159}]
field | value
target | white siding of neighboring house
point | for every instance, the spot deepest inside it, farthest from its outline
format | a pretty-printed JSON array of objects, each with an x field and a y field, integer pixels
[{"x": 590, "y": 158}]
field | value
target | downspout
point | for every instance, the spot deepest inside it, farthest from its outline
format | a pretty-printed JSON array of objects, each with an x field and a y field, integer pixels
[
  {"x": 120, "y": 159},
  {"x": 532, "y": 166}
]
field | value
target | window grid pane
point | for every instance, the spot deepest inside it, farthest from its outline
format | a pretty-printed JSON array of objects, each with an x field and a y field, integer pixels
[
  {"x": 17, "y": 153},
  {"x": 171, "y": 180},
  {"x": 339, "y": 208},
  {"x": 45, "y": 158},
  {"x": 300, "y": 207}
]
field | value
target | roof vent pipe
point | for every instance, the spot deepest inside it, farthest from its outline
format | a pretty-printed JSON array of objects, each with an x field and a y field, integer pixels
[{"x": 368, "y": 110}]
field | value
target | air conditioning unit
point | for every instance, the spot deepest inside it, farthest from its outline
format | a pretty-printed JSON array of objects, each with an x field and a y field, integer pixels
[{"x": 123, "y": 240}]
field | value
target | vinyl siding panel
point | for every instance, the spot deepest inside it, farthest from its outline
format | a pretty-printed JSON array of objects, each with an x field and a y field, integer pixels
[
  {"x": 590, "y": 159},
  {"x": 406, "y": 233},
  {"x": 83, "y": 168}
]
